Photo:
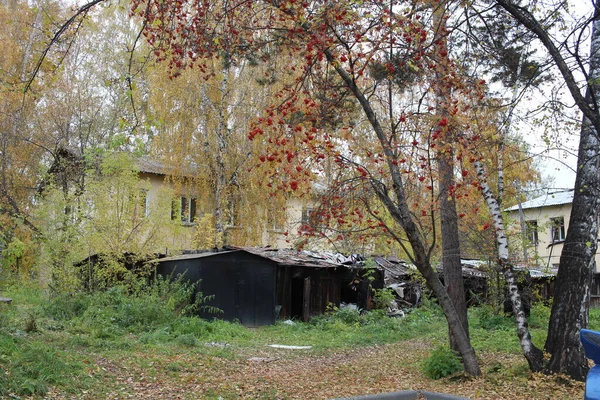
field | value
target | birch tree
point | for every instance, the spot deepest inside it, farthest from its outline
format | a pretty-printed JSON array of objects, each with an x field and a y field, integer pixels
[
  {"x": 571, "y": 303},
  {"x": 534, "y": 355}
]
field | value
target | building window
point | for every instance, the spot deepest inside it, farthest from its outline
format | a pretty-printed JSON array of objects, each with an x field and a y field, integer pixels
[
  {"x": 276, "y": 220},
  {"x": 557, "y": 229},
  {"x": 184, "y": 209},
  {"x": 232, "y": 212},
  {"x": 141, "y": 206},
  {"x": 309, "y": 220},
  {"x": 531, "y": 230}
]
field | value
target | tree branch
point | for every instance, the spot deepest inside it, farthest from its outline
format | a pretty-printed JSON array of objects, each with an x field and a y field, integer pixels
[
  {"x": 525, "y": 17},
  {"x": 81, "y": 12}
]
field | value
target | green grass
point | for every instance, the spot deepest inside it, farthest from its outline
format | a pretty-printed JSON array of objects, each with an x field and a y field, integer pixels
[
  {"x": 31, "y": 366},
  {"x": 48, "y": 341}
]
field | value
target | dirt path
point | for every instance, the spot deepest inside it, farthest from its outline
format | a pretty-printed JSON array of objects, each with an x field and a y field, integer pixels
[{"x": 298, "y": 374}]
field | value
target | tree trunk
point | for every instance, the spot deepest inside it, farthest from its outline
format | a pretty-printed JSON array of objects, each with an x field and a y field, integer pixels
[
  {"x": 451, "y": 263},
  {"x": 453, "y": 278},
  {"x": 577, "y": 260},
  {"x": 533, "y": 355},
  {"x": 571, "y": 301},
  {"x": 400, "y": 212}
]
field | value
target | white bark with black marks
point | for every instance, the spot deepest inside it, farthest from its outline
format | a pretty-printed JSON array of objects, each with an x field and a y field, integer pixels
[{"x": 533, "y": 355}]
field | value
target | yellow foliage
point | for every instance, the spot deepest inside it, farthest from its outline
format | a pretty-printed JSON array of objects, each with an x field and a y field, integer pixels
[{"x": 205, "y": 235}]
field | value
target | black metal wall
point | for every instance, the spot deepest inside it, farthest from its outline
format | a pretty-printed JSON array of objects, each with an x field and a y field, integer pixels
[{"x": 243, "y": 284}]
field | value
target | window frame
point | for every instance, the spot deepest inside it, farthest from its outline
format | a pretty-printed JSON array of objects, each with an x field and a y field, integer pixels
[
  {"x": 309, "y": 220},
  {"x": 276, "y": 220},
  {"x": 185, "y": 209},
  {"x": 532, "y": 231},
  {"x": 141, "y": 204},
  {"x": 557, "y": 225}
]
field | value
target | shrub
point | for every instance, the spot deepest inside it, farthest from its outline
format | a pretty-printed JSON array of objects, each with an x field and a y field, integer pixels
[
  {"x": 489, "y": 319},
  {"x": 193, "y": 325},
  {"x": 107, "y": 313},
  {"x": 187, "y": 340},
  {"x": 64, "y": 307},
  {"x": 162, "y": 335},
  {"x": 441, "y": 363},
  {"x": 383, "y": 298}
]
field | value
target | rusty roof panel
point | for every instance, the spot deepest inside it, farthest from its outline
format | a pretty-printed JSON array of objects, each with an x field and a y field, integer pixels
[{"x": 294, "y": 257}]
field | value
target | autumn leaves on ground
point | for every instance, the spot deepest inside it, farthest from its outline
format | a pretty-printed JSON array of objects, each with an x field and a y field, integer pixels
[{"x": 116, "y": 345}]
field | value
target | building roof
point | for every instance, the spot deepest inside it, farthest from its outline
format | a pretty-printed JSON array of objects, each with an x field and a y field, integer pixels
[
  {"x": 194, "y": 255},
  {"x": 470, "y": 268},
  {"x": 153, "y": 166},
  {"x": 284, "y": 257},
  {"x": 547, "y": 200},
  {"x": 149, "y": 166},
  {"x": 303, "y": 258},
  {"x": 394, "y": 268}
]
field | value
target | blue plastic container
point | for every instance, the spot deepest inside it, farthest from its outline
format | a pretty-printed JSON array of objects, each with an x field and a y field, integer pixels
[{"x": 591, "y": 344}]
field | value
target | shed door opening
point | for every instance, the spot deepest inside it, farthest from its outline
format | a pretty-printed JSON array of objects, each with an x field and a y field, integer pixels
[{"x": 297, "y": 298}]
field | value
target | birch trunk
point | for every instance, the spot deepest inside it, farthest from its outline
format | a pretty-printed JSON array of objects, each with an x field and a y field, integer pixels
[
  {"x": 533, "y": 355},
  {"x": 577, "y": 260}
]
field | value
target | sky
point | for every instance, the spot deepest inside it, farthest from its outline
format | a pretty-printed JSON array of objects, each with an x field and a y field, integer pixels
[
  {"x": 560, "y": 162},
  {"x": 557, "y": 164}
]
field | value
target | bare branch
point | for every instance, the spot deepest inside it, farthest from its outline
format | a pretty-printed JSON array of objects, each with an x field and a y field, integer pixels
[{"x": 80, "y": 13}]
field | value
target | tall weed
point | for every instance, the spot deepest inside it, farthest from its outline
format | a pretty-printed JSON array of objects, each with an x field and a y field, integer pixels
[{"x": 32, "y": 367}]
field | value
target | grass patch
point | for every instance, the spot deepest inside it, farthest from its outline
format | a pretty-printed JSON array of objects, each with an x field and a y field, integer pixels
[
  {"x": 154, "y": 327},
  {"x": 31, "y": 366}
]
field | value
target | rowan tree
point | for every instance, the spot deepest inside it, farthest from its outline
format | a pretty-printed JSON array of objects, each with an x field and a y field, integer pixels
[
  {"x": 359, "y": 114},
  {"x": 353, "y": 55}
]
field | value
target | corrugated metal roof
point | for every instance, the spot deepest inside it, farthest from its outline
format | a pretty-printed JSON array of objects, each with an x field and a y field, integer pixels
[
  {"x": 195, "y": 255},
  {"x": 396, "y": 269},
  {"x": 284, "y": 257},
  {"x": 301, "y": 258},
  {"x": 537, "y": 273},
  {"x": 470, "y": 268},
  {"x": 547, "y": 200}
]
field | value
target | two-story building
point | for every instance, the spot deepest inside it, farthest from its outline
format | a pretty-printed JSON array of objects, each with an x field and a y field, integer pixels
[
  {"x": 538, "y": 229},
  {"x": 278, "y": 226}
]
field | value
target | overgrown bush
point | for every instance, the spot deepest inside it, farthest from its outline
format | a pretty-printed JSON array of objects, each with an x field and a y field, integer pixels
[
  {"x": 383, "y": 298},
  {"x": 442, "y": 362},
  {"x": 187, "y": 340},
  {"x": 107, "y": 313},
  {"x": 64, "y": 307}
]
